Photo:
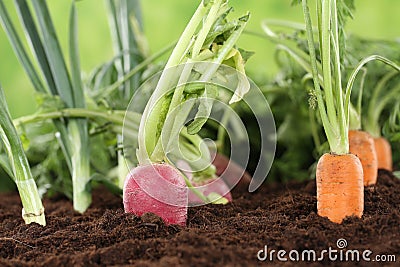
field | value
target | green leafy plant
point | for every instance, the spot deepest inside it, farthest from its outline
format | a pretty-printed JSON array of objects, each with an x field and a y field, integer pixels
[
  {"x": 209, "y": 37},
  {"x": 292, "y": 49},
  {"x": 54, "y": 79}
]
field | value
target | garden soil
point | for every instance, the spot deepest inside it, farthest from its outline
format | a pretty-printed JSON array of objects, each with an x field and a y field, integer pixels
[{"x": 281, "y": 217}]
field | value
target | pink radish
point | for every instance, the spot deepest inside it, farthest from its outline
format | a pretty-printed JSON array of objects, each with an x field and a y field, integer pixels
[
  {"x": 159, "y": 189},
  {"x": 213, "y": 185},
  {"x": 230, "y": 172}
]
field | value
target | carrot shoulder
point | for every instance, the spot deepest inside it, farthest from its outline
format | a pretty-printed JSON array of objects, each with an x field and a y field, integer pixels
[
  {"x": 340, "y": 190},
  {"x": 362, "y": 145},
  {"x": 384, "y": 153}
]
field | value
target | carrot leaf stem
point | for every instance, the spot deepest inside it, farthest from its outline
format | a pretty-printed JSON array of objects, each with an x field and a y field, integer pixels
[
  {"x": 337, "y": 140},
  {"x": 358, "y": 68},
  {"x": 378, "y": 102}
]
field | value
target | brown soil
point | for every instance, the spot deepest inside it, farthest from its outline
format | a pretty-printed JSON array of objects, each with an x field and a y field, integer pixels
[{"x": 282, "y": 217}]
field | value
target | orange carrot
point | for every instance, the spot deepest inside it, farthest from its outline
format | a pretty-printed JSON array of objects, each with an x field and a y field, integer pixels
[
  {"x": 362, "y": 145},
  {"x": 384, "y": 153},
  {"x": 340, "y": 190},
  {"x": 339, "y": 176}
]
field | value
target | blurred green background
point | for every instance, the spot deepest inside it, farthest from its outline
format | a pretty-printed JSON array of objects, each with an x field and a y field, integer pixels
[{"x": 163, "y": 23}]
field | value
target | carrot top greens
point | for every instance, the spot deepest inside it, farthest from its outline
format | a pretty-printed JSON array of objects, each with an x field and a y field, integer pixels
[
  {"x": 386, "y": 92},
  {"x": 334, "y": 108},
  {"x": 333, "y": 100}
]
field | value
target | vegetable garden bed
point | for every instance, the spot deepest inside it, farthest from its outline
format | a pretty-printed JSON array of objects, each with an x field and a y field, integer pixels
[
  {"x": 173, "y": 138},
  {"x": 282, "y": 217}
]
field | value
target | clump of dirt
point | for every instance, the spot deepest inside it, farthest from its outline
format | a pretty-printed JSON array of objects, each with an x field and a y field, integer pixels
[{"x": 281, "y": 217}]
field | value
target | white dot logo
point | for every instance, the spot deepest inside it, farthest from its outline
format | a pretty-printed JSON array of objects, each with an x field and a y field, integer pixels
[{"x": 341, "y": 243}]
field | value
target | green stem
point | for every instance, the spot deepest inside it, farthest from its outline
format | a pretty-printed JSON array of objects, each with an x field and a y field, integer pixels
[
  {"x": 355, "y": 114},
  {"x": 184, "y": 76},
  {"x": 354, "y": 118},
  {"x": 314, "y": 129},
  {"x": 216, "y": 63},
  {"x": 286, "y": 44},
  {"x": 371, "y": 123},
  {"x": 78, "y": 128},
  {"x": 330, "y": 131},
  {"x": 325, "y": 34},
  {"x": 198, "y": 44},
  {"x": 221, "y": 133},
  {"x": 148, "y": 123},
  {"x": 19, "y": 49},
  {"x": 115, "y": 116},
  {"x": 383, "y": 102},
  {"x": 33, "y": 210},
  {"x": 110, "y": 89},
  {"x": 82, "y": 196},
  {"x": 341, "y": 116},
  {"x": 359, "y": 67},
  {"x": 194, "y": 190},
  {"x": 281, "y": 23},
  {"x": 122, "y": 168},
  {"x": 361, "y": 92},
  {"x": 80, "y": 160},
  {"x": 196, "y": 148}
]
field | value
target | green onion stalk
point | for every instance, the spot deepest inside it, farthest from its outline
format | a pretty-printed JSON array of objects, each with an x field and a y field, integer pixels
[
  {"x": 33, "y": 210},
  {"x": 78, "y": 128},
  {"x": 54, "y": 79}
]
